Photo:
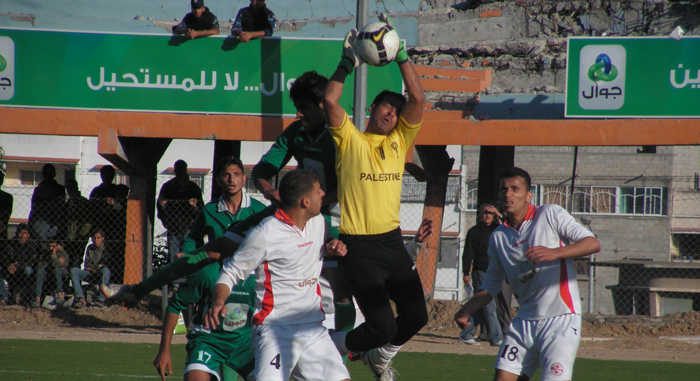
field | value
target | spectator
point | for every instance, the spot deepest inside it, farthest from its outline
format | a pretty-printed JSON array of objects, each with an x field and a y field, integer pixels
[
  {"x": 6, "y": 200},
  {"x": 475, "y": 252},
  {"x": 48, "y": 204},
  {"x": 198, "y": 23},
  {"x": 96, "y": 257},
  {"x": 55, "y": 258},
  {"x": 79, "y": 221},
  {"x": 20, "y": 254},
  {"x": 105, "y": 190},
  {"x": 234, "y": 205},
  {"x": 179, "y": 202},
  {"x": 255, "y": 21}
]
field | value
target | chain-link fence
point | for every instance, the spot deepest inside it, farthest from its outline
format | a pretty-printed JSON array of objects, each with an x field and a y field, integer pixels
[
  {"x": 650, "y": 235},
  {"x": 57, "y": 237}
]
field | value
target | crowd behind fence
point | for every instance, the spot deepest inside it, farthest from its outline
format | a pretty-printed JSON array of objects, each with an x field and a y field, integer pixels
[{"x": 650, "y": 263}]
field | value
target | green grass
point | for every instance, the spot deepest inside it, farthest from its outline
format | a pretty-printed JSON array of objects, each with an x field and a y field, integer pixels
[{"x": 35, "y": 360}]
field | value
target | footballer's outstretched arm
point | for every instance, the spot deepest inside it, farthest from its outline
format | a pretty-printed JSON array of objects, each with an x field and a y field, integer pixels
[
  {"x": 413, "y": 111},
  {"x": 331, "y": 101}
]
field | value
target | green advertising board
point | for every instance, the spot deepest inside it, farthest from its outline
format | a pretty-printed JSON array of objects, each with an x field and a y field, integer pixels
[
  {"x": 633, "y": 77},
  {"x": 163, "y": 73}
]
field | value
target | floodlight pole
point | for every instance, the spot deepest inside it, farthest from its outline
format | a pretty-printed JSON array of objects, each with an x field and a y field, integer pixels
[{"x": 360, "y": 95}]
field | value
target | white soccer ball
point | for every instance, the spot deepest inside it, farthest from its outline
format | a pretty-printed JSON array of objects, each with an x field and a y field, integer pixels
[{"x": 377, "y": 44}]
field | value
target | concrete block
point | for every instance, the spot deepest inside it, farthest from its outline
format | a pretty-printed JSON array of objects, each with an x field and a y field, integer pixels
[
  {"x": 599, "y": 20},
  {"x": 437, "y": 31}
]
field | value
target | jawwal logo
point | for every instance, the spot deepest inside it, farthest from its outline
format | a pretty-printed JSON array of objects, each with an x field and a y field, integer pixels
[
  {"x": 7, "y": 68},
  {"x": 602, "y": 77},
  {"x": 602, "y": 69}
]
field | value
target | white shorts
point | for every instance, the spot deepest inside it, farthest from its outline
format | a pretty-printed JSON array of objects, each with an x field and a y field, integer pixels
[
  {"x": 301, "y": 351},
  {"x": 550, "y": 343}
]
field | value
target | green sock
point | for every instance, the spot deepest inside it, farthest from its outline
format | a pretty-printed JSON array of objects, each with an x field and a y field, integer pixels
[
  {"x": 345, "y": 318},
  {"x": 186, "y": 265}
]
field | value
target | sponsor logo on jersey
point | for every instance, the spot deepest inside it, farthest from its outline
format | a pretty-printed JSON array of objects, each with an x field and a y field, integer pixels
[
  {"x": 305, "y": 244},
  {"x": 236, "y": 317},
  {"x": 308, "y": 282},
  {"x": 314, "y": 149},
  {"x": 520, "y": 243},
  {"x": 235, "y": 292},
  {"x": 380, "y": 176}
]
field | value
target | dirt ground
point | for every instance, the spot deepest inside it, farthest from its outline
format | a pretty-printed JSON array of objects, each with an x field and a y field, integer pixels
[{"x": 674, "y": 338}]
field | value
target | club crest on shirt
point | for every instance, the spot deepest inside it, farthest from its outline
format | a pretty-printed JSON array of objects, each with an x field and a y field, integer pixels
[{"x": 556, "y": 369}]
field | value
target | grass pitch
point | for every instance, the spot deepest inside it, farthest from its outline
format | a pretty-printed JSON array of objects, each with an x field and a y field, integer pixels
[{"x": 35, "y": 360}]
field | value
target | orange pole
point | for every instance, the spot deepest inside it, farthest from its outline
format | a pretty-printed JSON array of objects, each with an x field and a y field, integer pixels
[{"x": 134, "y": 253}]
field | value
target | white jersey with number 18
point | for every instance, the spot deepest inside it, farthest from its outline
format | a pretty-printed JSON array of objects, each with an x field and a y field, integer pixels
[{"x": 544, "y": 290}]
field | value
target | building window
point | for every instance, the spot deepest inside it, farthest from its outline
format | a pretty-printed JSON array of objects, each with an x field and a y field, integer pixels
[
  {"x": 639, "y": 200},
  {"x": 650, "y": 201},
  {"x": 472, "y": 199},
  {"x": 29, "y": 177}
]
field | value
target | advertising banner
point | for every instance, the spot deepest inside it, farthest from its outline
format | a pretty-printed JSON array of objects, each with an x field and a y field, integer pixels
[
  {"x": 163, "y": 73},
  {"x": 633, "y": 77}
]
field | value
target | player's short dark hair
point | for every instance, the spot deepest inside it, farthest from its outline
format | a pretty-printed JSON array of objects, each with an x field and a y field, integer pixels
[
  {"x": 309, "y": 86},
  {"x": 294, "y": 185},
  {"x": 107, "y": 173},
  {"x": 396, "y": 100},
  {"x": 96, "y": 231},
  {"x": 223, "y": 163},
  {"x": 511, "y": 172}
]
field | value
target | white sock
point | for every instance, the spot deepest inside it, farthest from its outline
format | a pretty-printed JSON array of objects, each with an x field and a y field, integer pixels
[
  {"x": 387, "y": 352},
  {"x": 339, "y": 340}
]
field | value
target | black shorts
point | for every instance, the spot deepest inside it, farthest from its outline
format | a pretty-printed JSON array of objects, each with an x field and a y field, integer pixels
[{"x": 376, "y": 269}]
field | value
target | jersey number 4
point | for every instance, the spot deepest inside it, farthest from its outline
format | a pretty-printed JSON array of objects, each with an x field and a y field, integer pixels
[{"x": 276, "y": 361}]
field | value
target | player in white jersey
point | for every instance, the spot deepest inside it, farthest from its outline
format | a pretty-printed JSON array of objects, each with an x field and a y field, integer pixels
[
  {"x": 534, "y": 250},
  {"x": 286, "y": 252}
]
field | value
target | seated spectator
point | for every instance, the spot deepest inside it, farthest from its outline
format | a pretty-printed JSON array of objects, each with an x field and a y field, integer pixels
[
  {"x": 253, "y": 22},
  {"x": 48, "y": 204},
  {"x": 19, "y": 256},
  {"x": 54, "y": 258},
  {"x": 93, "y": 263},
  {"x": 198, "y": 23}
]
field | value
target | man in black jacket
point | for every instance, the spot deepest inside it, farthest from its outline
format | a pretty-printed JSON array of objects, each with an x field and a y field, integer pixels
[
  {"x": 198, "y": 23},
  {"x": 255, "y": 21},
  {"x": 476, "y": 252}
]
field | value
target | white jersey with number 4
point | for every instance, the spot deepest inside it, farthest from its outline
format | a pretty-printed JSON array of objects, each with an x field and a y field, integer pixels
[
  {"x": 546, "y": 289},
  {"x": 287, "y": 262}
]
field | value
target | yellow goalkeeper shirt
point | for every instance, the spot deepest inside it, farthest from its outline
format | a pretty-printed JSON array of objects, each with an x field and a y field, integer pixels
[{"x": 369, "y": 169}]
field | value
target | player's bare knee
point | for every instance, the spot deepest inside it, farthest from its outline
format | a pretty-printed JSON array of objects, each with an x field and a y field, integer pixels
[{"x": 502, "y": 375}]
